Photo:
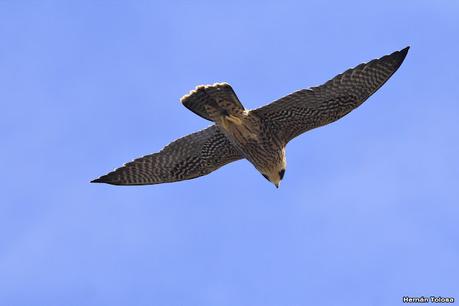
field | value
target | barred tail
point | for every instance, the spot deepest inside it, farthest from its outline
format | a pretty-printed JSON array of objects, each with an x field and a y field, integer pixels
[{"x": 212, "y": 101}]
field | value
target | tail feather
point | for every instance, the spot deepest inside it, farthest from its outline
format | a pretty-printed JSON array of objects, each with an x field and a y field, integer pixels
[{"x": 205, "y": 100}]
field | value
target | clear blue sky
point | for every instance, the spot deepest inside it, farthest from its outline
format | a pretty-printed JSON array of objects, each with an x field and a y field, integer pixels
[{"x": 368, "y": 210}]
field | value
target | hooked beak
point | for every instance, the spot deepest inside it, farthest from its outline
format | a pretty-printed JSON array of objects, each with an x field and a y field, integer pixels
[{"x": 277, "y": 185}]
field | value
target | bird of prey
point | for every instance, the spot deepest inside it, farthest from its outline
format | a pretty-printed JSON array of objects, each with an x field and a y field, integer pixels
[{"x": 259, "y": 135}]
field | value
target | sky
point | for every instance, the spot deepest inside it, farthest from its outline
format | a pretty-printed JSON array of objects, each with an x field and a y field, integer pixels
[{"x": 367, "y": 212}]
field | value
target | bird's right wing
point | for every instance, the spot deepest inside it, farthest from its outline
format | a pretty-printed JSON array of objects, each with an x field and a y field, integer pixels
[
  {"x": 306, "y": 109},
  {"x": 189, "y": 157}
]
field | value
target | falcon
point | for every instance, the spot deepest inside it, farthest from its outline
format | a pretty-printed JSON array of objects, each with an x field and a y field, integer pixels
[{"x": 259, "y": 135}]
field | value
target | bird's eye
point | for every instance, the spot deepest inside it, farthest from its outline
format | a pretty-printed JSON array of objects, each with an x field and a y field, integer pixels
[
  {"x": 266, "y": 177},
  {"x": 281, "y": 174}
]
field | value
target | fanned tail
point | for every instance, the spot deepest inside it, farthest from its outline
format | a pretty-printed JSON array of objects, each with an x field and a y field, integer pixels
[{"x": 212, "y": 102}]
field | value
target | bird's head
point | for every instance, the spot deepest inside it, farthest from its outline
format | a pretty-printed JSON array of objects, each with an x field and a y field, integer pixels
[{"x": 275, "y": 171}]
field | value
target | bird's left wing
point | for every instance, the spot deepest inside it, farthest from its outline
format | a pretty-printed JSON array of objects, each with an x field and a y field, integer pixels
[
  {"x": 306, "y": 109},
  {"x": 189, "y": 157}
]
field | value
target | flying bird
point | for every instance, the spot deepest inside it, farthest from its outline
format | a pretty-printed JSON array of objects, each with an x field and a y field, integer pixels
[{"x": 259, "y": 135}]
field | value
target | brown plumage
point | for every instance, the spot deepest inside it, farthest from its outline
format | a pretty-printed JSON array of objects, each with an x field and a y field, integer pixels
[{"x": 259, "y": 135}]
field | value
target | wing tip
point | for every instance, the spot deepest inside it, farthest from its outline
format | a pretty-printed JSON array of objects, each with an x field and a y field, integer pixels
[
  {"x": 105, "y": 180},
  {"x": 395, "y": 59},
  {"x": 404, "y": 51},
  {"x": 400, "y": 55},
  {"x": 114, "y": 180},
  {"x": 100, "y": 180}
]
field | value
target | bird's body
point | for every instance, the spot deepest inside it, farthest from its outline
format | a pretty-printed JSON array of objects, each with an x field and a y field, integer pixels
[
  {"x": 249, "y": 133},
  {"x": 259, "y": 135},
  {"x": 256, "y": 140}
]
